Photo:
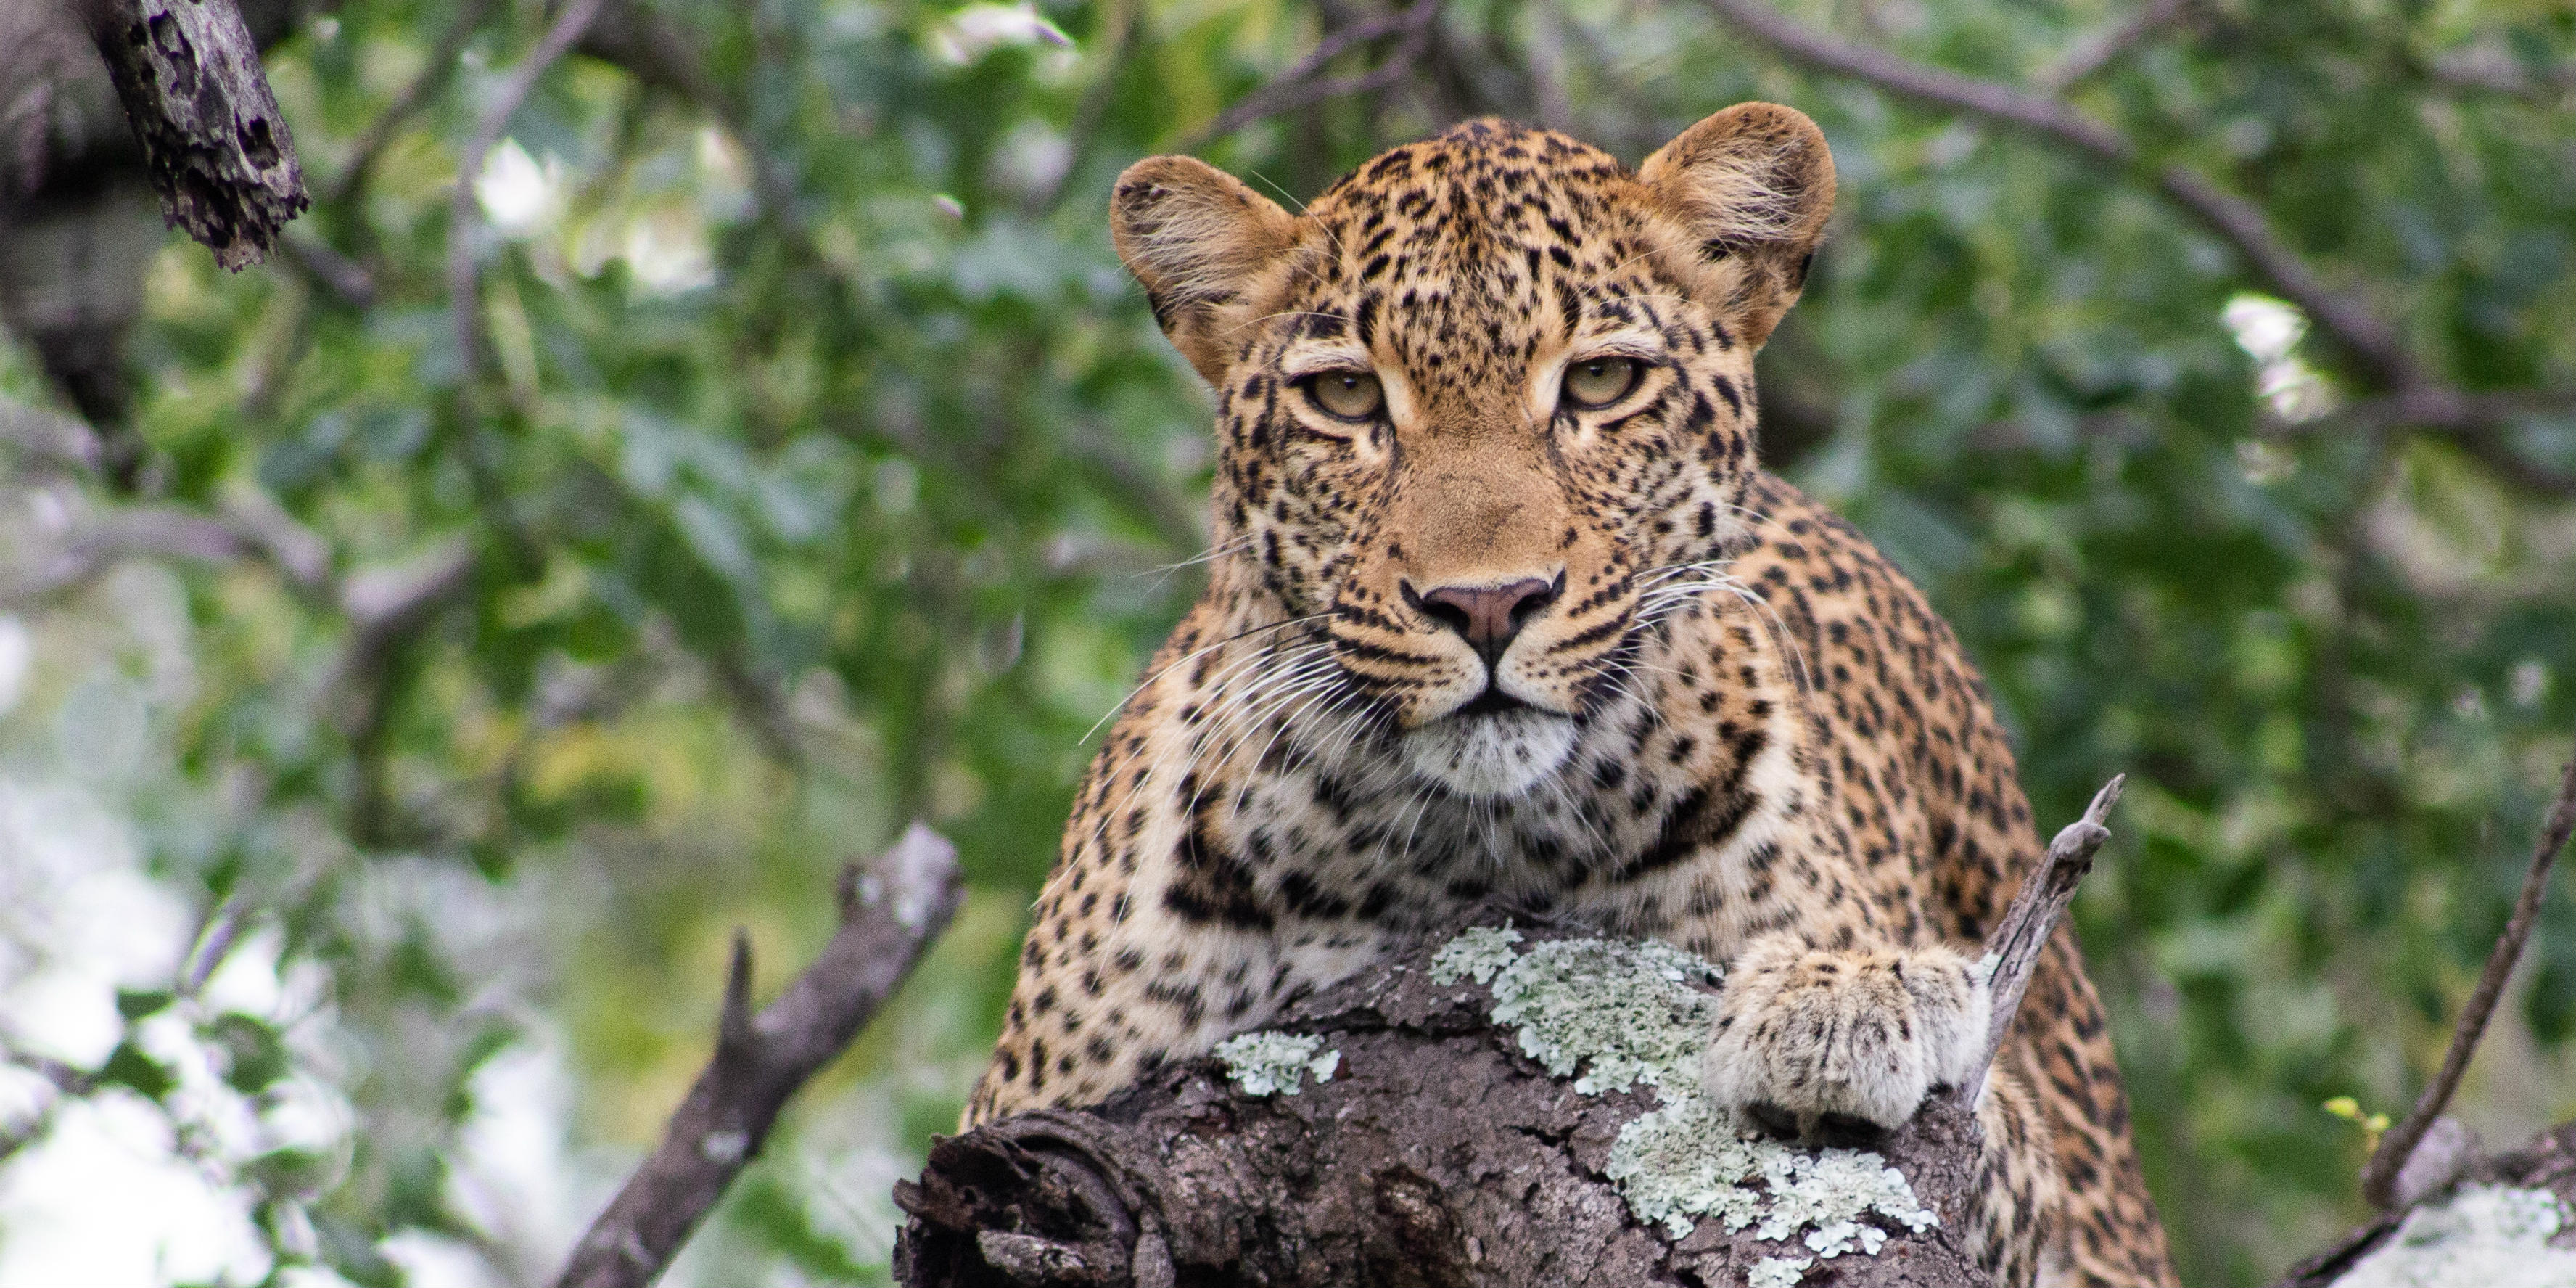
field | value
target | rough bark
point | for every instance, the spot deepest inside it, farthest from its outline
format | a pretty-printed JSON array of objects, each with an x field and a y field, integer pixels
[
  {"x": 214, "y": 143},
  {"x": 1448, "y": 1155},
  {"x": 1439, "y": 1154}
]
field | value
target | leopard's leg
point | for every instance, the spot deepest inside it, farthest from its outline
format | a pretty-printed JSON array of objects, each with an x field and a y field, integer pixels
[{"x": 1838, "y": 1046}]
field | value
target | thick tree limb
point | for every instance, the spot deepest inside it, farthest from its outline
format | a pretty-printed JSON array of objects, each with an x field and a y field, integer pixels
[
  {"x": 2379, "y": 1177},
  {"x": 216, "y": 146},
  {"x": 889, "y": 914},
  {"x": 1439, "y": 1152}
]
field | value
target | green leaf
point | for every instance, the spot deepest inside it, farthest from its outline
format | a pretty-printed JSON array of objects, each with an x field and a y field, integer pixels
[
  {"x": 255, "y": 1057},
  {"x": 127, "y": 1066},
  {"x": 135, "y": 1004}
]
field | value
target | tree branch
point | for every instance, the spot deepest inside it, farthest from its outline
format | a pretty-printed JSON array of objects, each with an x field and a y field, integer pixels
[
  {"x": 2413, "y": 396},
  {"x": 2099, "y": 49},
  {"x": 2379, "y": 1176},
  {"x": 2476, "y": 423},
  {"x": 94, "y": 545},
  {"x": 216, "y": 146},
  {"x": 463, "y": 289},
  {"x": 2237, "y": 221},
  {"x": 1389, "y": 1105},
  {"x": 1297, "y": 87},
  {"x": 433, "y": 78},
  {"x": 889, "y": 914},
  {"x": 2493, "y": 69},
  {"x": 2022, "y": 936},
  {"x": 50, "y": 437}
]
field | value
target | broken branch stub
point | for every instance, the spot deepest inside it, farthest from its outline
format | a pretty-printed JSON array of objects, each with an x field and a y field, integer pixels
[
  {"x": 2031, "y": 919},
  {"x": 214, "y": 142}
]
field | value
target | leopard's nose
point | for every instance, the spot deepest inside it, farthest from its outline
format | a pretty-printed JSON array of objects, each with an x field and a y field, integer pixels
[{"x": 1487, "y": 617}]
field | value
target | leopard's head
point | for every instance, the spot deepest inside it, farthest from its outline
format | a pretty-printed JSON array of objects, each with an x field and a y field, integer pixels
[{"x": 1482, "y": 400}]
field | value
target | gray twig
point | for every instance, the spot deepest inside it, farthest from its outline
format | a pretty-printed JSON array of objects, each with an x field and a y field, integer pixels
[
  {"x": 415, "y": 96},
  {"x": 2379, "y": 1176},
  {"x": 2088, "y": 56},
  {"x": 2022, "y": 936},
  {"x": 1297, "y": 87},
  {"x": 464, "y": 295},
  {"x": 216, "y": 146},
  {"x": 50, "y": 437},
  {"x": 889, "y": 914}
]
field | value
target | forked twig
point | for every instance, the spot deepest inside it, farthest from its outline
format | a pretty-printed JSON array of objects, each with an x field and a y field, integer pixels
[
  {"x": 2379, "y": 1175},
  {"x": 2023, "y": 934},
  {"x": 889, "y": 915}
]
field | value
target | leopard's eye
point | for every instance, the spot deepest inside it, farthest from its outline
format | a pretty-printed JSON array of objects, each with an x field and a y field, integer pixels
[
  {"x": 1599, "y": 382},
  {"x": 1348, "y": 395}
]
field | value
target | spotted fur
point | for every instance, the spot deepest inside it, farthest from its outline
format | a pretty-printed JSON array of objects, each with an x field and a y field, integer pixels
[{"x": 1486, "y": 641}]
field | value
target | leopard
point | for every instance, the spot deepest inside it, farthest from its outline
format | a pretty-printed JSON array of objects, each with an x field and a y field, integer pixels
[{"x": 1501, "y": 605}]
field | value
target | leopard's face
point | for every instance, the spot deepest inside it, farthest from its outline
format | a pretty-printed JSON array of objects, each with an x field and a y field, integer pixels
[{"x": 1481, "y": 404}]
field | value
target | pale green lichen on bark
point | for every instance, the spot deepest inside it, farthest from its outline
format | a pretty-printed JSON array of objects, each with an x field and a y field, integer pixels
[
  {"x": 1778, "y": 1272},
  {"x": 2486, "y": 1236},
  {"x": 1272, "y": 1063},
  {"x": 1476, "y": 954},
  {"x": 1624, "y": 1014}
]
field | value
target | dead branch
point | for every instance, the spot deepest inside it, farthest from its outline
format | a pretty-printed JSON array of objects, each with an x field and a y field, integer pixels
[
  {"x": 2023, "y": 934},
  {"x": 889, "y": 914},
  {"x": 2379, "y": 1176},
  {"x": 216, "y": 146}
]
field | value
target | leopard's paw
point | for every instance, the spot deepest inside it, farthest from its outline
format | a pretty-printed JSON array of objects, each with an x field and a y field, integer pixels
[{"x": 1840, "y": 1046}]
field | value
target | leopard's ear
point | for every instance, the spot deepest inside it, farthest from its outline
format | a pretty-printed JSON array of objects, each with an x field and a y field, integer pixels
[
  {"x": 1196, "y": 238},
  {"x": 1750, "y": 187}
]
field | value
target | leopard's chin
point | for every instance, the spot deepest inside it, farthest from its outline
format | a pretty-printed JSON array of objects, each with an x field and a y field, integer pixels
[{"x": 1482, "y": 755}]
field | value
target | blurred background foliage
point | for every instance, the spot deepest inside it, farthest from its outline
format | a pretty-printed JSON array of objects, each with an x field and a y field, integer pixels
[{"x": 392, "y": 731}]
